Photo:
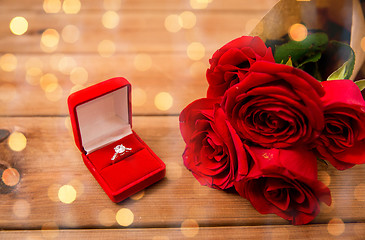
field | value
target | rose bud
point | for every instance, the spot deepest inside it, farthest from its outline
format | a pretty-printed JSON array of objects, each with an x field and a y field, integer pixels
[
  {"x": 284, "y": 182},
  {"x": 214, "y": 153},
  {"x": 342, "y": 142},
  {"x": 232, "y": 60},
  {"x": 276, "y": 106}
]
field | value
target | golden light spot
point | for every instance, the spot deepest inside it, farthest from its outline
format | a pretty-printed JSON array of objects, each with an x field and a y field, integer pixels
[
  {"x": 79, "y": 75},
  {"x": 324, "y": 177},
  {"x": 198, "y": 69},
  {"x": 163, "y": 101},
  {"x": 187, "y": 20},
  {"x": 189, "y": 228},
  {"x": 17, "y": 141},
  {"x": 199, "y": 4},
  {"x": 70, "y": 34},
  {"x": 172, "y": 23},
  {"x": 79, "y": 186},
  {"x": 174, "y": 171},
  {"x": 106, "y": 217},
  {"x": 106, "y": 48},
  {"x": 362, "y": 43},
  {"x": 7, "y": 92},
  {"x": 76, "y": 88},
  {"x": 71, "y": 6},
  {"x": 195, "y": 51},
  {"x": 112, "y": 4},
  {"x": 66, "y": 64},
  {"x": 18, "y": 25},
  {"x": 251, "y": 24},
  {"x": 53, "y": 192},
  {"x": 298, "y": 32},
  {"x": 142, "y": 62},
  {"x": 8, "y": 62},
  {"x": 21, "y": 208},
  {"x": 137, "y": 196},
  {"x": 139, "y": 97},
  {"x": 360, "y": 192},
  {"x": 67, "y": 194},
  {"x": 56, "y": 93},
  {"x": 124, "y": 217},
  {"x": 33, "y": 75},
  {"x": 335, "y": 227},
  {"x": 110, "y": 19},
  {"x": 49, "y": 40},
  {"x": 48, "y": 82},
  {"x": 51, "y": 6},
  {"x": 50, "y": 230},
  {"x": 10, "y": 177}
]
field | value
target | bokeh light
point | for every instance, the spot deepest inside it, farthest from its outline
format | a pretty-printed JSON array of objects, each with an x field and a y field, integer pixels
[
  {"x": 298, "y": 32},
  {"x": 163, "y": 101},
  {"x": 76, "y": 88},
  {"x": 112, "y": 4},
  {"x": 324, "y": 177},
  {"x": 195, "y": 51},
  {"x": 54, "y": 93},
  {"x": 17, "y": 141},
  {"x": 8, "y": 62},
  {"x": 18, "y": 25},
  {"x": 49, "y": 82},
  {"x": 106, "y": 48},
  {"x": 66, "y": 64},
  {"x": 21, "y": 208},
  {"x": 49, "y": 40},
  {"x": 110, "y": 19},
  {"x": 71, "y": 6},
  {"x": 7, "y": 92},
  {"x": 173, "y": 171},
  {"x": 51, "y": 6},
  {"x": 33, "y": 75},
  {"x": 199, "y": 4},
  {"x": 187, "y": 19},
  {"x": 335, "y": 227},
  {"x": 360, "y": 192},
  {"x": 142, "y": 62},
  {"x": 172, "y": 23},
  {"x": 50, "y": 230},
  {"x": 79, "y": 75},
  {"x": 67, "y": 194},
  {"x": 10, "y": 177},
  {"x": 70, "y": 33},
  {"x": 189, "y": 228},
  {"x": 198, "y": 69},
  {"x": 137, "y": 196},
  {"x": 124, "y": 217},
  {"x": 139, "y": 97},
  {"x": 106, "y": 217}
]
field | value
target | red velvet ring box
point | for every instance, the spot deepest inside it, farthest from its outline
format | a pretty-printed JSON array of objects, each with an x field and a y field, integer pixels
[{"x": 101, "y": 120}]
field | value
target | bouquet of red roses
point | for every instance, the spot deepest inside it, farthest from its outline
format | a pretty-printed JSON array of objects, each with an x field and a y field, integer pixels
[{"x": 268, "y": 118}]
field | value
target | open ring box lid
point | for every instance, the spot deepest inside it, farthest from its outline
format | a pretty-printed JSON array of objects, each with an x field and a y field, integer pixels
[{"x": 101, "y": 119}]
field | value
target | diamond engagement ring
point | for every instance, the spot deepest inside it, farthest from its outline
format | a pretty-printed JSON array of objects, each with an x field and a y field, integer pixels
[{"x": 120, "y": 149}]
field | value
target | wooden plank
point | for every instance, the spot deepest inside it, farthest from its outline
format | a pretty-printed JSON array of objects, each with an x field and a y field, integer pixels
[
  {"x": 50, "y": 160},
  {"x": 320, "y": 232},
  {"x": 147, "y": 5},
  {"x": 137, "y": 31},
  {"x": 176, "y": 74}
]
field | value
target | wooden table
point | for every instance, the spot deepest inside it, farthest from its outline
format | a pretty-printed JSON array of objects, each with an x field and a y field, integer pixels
[{"x": 56, "y": 196}]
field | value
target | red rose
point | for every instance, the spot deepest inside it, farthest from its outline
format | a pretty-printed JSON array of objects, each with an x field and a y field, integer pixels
[
  {"x": 276, "y": 105},
  {"x": 342, "y": 142},
  {"x": 284, "y": 182},
  {"x": 232, "y": 60},
  {"x": 214, "y": 152}
]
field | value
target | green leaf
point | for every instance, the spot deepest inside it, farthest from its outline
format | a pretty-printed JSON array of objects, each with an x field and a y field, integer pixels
[
  {"x": 345, "y": 71},
  {"x": 361, "y": 84},
  {"x": 308, "y": 50}
]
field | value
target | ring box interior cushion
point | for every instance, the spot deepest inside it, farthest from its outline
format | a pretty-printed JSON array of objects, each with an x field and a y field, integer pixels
[{"x": 101, "y": 119}]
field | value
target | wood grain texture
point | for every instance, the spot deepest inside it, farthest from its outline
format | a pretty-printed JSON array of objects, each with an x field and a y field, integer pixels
[{"x": 51, "y": 159}]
